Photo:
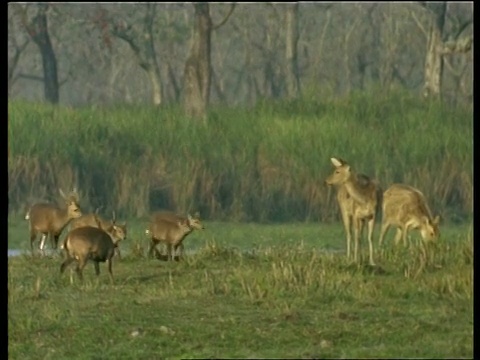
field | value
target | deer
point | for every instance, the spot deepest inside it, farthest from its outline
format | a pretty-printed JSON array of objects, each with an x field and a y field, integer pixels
[
  {"x": 93, "y": 243},
  {"x": 171, "y": 231},
  {"x": 91, "y": 220},
  {"x": 50, "y": 219},
  {"x": 406, "y": 208},
  {"x": 358, "y": 199},
  {"x": 171, "y": 216}
]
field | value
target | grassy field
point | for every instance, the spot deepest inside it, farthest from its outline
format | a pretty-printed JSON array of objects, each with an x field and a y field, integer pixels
[{"x": 285, "y": 298}]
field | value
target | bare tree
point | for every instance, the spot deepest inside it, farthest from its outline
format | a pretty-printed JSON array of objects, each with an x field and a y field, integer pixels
[
  {"x": 197, "y": 74},
  {"x": 291, "y": 53},
  {"x": 347, "y": 47},
  {"x": 37, "y": 29},
  {"x": 16, "y": 48},
  {"x": 141, "y": 41},
  {"x": 438, "y": 46}
]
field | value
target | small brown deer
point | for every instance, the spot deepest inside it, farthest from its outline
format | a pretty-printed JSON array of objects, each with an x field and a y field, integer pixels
[
  {"x": 406, "y": 207},
  {"x": 92, "y": 243},
  {"x": 174, "y": 217},
  {"x": 357, "y": 197},
  {"x": 91, "y": 220},
  {"x": 171, "y": 232},
  {"x": 50, "y": 219}
]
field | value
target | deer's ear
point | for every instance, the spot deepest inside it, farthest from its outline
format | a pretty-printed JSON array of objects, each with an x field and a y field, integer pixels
[
  {"x": 62, "y": 194},
  {"x": 97, "y": 220},
  {"x": 336, "y": 162}
]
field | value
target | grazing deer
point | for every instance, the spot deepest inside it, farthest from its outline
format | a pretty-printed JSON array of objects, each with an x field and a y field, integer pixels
[
  {"x": 92, "y": 243},
  {"x": 91, "y": 220},
  {"x": 357, "y": 197},
  {"x": 171, "y": 232},
  {"x": 49, "y": 219},
  {"x": 406, "y": 208}
]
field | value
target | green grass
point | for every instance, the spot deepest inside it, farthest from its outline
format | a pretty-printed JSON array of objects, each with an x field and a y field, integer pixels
[
  {"x": 262, "y": 164},
  {"x": 282, "y": 300}
]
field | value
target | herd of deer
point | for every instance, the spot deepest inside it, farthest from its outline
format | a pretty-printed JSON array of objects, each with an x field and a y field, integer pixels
[{"x": 92, "y": 238}]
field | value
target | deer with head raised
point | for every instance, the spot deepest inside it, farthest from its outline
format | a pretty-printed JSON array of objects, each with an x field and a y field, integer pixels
[
  {"x": 171, "y": 229},
  {"x": 50, "y": 219},
  {"x": 406, "y": 208},
  {"x": 92, "y": 243},
  {"x": 357, "y": 197},
  {"x": 93, "y": 219}
]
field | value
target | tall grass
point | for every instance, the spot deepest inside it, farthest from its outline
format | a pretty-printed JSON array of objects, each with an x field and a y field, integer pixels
[{"x": 263, "y": 164}]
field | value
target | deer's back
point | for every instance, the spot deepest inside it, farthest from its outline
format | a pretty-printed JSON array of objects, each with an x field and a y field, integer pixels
[
  {"x": 43, "y": 216},
  {"x": 88, "y": 220},
  {"x": 167, "y": 215},
  {"x": 89, "y": 241},
  {"x": 404, "y": 202}
]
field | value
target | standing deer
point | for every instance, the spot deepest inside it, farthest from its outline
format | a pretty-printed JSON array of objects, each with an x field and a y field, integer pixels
[
  {"x": 92, "y": 243},
  {"x": 357, "y": 197},
  {"x": 93, "y": 219},
  {"x": 171, "y": 232},
  {"x": 173, "y": 217},
  {"x": 50, "y": 220},
  {"x": 406, "y": 207}
]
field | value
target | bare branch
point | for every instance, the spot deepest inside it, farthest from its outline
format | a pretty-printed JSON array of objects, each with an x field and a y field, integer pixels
[
  {"x": 463, "y": 45},
  {"x": 419, "y": 23},
  {"x": 462, "y": 27},
  {"x": 12, "y": 65},
  {"x": 451, "y": 69},
  {"x": 30, "y": 77},
  {"x": 221, "y": 23}
]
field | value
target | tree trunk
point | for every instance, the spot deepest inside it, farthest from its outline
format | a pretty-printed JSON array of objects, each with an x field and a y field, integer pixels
[
  {"x": 437, "y": 48},
  {"x": 197, "y": 76},
  {"x": 153, "y": 71},
  {"x": 156, "y": 86},
  {"x": 432, "y": 85},
  {"x": 291, "y": 54},
  {"x": 38, "y": 31}
]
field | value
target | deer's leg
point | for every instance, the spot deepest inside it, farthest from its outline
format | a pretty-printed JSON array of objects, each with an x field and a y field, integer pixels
[
  {"x": 97, "y": 267},
  {"x": 33, "y": 236},
  {"x": 178, "y": 251},
  {"x": 371, "y": 224},
  {"x": 65, "y": 263},
  {"x": 54, "y": 239},
  {"x": 117, "y": 251},
  {"x": 383, "y": 231},
  {"x": 347, "y": 225},
  {"x": 181, "y": 248},
  {"x": 404, "y": 237},
  {"x": 151, "y": 248},
  {"x": 110, "y": 273},
  {"x": 356, "y": 233},
  {"x": 80, "y": 265},
  {"x": 170, "y": 254},
  {"x": 42, "y": 241},
  {"x": 398, "y": 235}
]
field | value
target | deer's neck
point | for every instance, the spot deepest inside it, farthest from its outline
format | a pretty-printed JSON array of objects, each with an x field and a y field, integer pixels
[
  {"x": 63, "y": 219},
  {"x": 359, "y": 192}
]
